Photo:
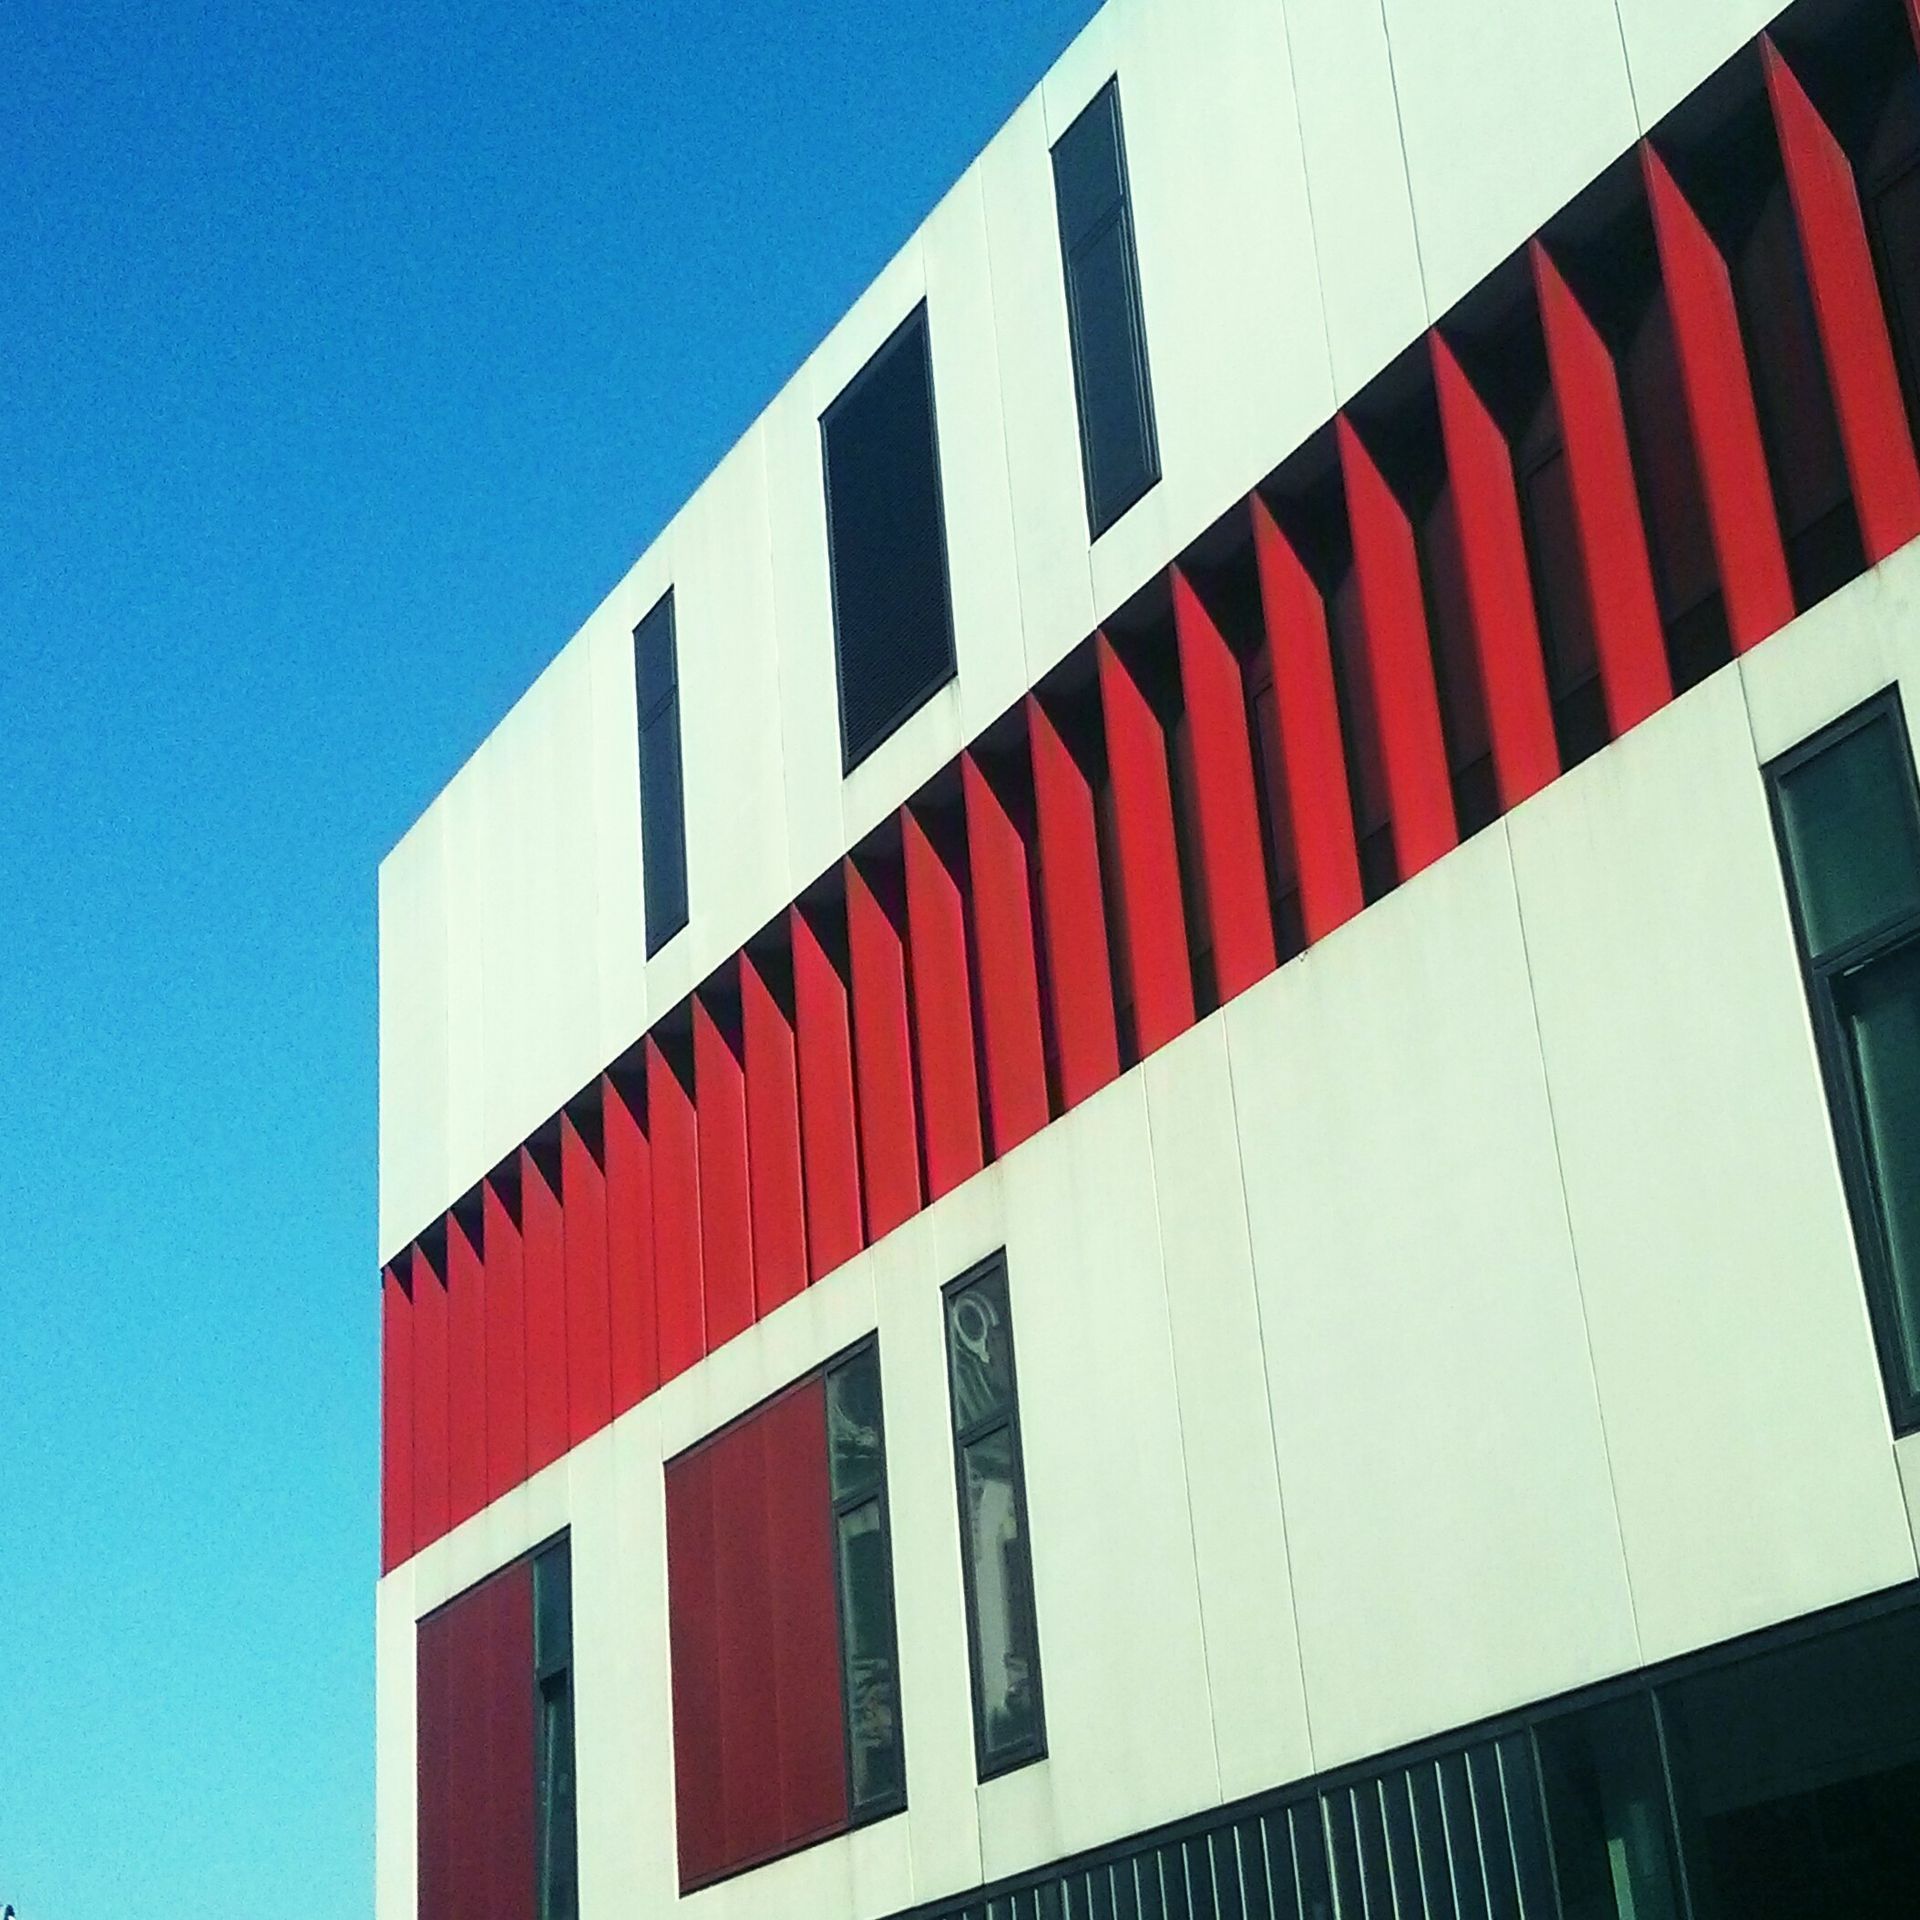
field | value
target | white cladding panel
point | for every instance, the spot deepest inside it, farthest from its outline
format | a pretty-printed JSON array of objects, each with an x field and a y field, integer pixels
[{"x": 414, "y": 1005}]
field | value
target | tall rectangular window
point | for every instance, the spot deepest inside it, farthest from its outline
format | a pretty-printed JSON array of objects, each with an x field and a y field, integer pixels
[
  {"x": 1118, "y": 453},
  {"x": 887, "y": 542},
  {"x": 1848, "y": 822},
  {"x": 1003, "y": 1642},
  {"x": 663, "y": 823}
]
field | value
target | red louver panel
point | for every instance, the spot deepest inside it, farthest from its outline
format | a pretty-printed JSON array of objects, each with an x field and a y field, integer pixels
[
  {"x": 583, "y": 1193},
  {"x": 1009, "y": 969},
  {"x": 396, "y": 1422},
  {"x": 635, "y": 1361},
  {"x": 824, "y": 1050},
  {"x": 1606, "y": 507},
  {"x": 510, "y": 1751},
  {"x": 726, "y": 1206},
  {"x": 1406, "y": 702},
  {"x": 543, "y": 1247},
  {"x": 1506, "y": 631},
  {"x": 1079, "y": 967},
  {"x": 693, "y": 1651},
  {"x": 942, "y": 1012},
  {"x": 1847, "y": 311},
  {"x": 436, "y": 1647},
  {"x": 883, "y": 1066},
  {"x": 679, "y": 1284},
  {"x": 430, "y": 1467},
  {"x": 506, "y": 1345},
  {"x": 1312, "y": 756},
  {"x": 1226, "y": 800},
  {"x": 1722, "y": 414},
  {"x": 466, "y": 1376},
  {"x": 773, "y": 1144},
  {"x": 743, "y": 1586},
  {"x": 1153, "y": 925}
]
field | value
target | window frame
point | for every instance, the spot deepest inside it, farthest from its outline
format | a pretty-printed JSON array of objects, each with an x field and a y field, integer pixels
[
  {"x": 666, "y": 708},
  {"x": 546, "y": 1670},
  {"x": 986, "y": 1766},
  {"x": 1823, "y": 975}
]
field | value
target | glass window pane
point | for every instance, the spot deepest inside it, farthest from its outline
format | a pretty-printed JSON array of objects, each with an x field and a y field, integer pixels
[
  {"x": 1607, "y": 1814},
  {"x": 1086, "y": 166},
  {"x": 559, "y": 1885},
  {"x": 980, "y": 1350},
  {"x": 552, "y": 1609},
  {"x": 1848, "y": 820},
  {"x": 1107, "y": 352},
  {"x": 1006, "y": 1660},
  {"x": 873, "y": 1694},
  {"x": 855, "y": 1443}
]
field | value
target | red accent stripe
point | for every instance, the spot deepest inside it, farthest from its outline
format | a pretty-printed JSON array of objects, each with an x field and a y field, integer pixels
[
  {"x": 883, "y": 1067},
  {"x": 1406, "y": 702},
  {"x": 396, "y": 1421},
  {"x": 543, "y": 1247},
  {"x": 636, "y": 1352},
  {"x": 1079, "y": 967},
  {"x": 1506, "y": 631},
  {"x": 1313, "y": 758},
  {"x": 1847, "y": 310},
  {"x": 1721, "y": 411},
  {"x": 1226, "y": 800},
  {"x": 773, "y": 1144},
  {"x": 583, "y": 1191},
  {"x": 823, "y": 1041},
  {"x": 430, "y": 1468},
  {"x": 506, "y": 1345},
  {"x": 466, "y": 1376},
  {"x": 726, "y": 1201},
  {"x": 1009, "y": 968},
  {"x": 679, "y": 1284},
  {"x": 942, "y": 1012},
  {"x": 1606, "y": 507}
]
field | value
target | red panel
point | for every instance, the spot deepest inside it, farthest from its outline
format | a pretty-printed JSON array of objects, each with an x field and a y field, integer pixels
[
  {"x": 511, "y": 1755},
  {"x": 430, "y": 1469},
  {"x": 743, "y": 1584},
  {"x": 1493, "y": 553},
  {"x": 1721, "y": 411},
  {"x": 583, "y": 1193},
  {"x": 543, "y": 1245},
  {"x": 1226, "y": 800},
  {"x": 693, "y": 1635},
  {"x": 1846, "y": 307},
  {"x": 396, "y": 1422},
  {"x": 824, "y": 1050},
  {"x": 466, "y": 1376},
  {"x": 1312, "y": 755},
  {"x": 726, "y": 1206},
  {"x": 435, "y": 1649},
  {"x": 636, "y": 1355},
  {"x": 1153, "y": 924},
  {"x": 468, "y": 1624},
  {"x": 1079, "y": 968},
  {"x": 883, "y": 1067},
  {"x": 1009, "y": 969},
  {"x": 506, "y": 1346},
  {"x": 942, "y": 1012},
  {"x": 1606, "y": 507},
  {"x": 679, "y": 1284},
  {"x": 773, "y": 1144},
  {"x": 1393, "y": 620}
]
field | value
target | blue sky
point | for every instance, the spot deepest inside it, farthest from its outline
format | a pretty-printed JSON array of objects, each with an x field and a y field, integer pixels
[{"x": 348, "y": 354}]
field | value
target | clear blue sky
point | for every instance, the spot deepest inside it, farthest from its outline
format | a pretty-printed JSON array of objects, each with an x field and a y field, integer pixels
[{"x": 348, "y": 354}]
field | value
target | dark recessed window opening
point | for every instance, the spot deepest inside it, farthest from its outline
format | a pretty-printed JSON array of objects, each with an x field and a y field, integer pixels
[
  {"x": 887, "y": 544},
  {"x": 1118, "y": 453},
  {"x": 663, "y": 826}
]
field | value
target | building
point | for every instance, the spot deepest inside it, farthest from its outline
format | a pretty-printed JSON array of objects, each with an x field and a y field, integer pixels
[{"x": 1151, "y": 1147}]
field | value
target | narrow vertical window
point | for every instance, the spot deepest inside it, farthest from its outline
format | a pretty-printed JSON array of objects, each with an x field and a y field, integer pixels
[
  {"x": 1009, "y": 1727},
  {"x": 553, "y": 1670},
  {"x": 663, "y": 825},
  {"x": 1118, "y": 453},
  {"x": 1848, "y": 823}
]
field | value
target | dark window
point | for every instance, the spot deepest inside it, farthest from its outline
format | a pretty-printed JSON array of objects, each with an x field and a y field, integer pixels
[
  {"x": 1849, "y": 830},
  {"x": 886, "y": 538},
  {"x": 1003, "y": 1642},
  {"x": 553, "y": 1667},
  {"x": 1606, "y": 1791},
  {"x": 1115, "y": 394},
  {"x": 663, "y": 826}
]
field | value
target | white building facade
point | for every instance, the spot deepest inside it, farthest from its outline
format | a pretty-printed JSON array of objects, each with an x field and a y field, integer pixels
[{"x": 1151, "y": 1146}]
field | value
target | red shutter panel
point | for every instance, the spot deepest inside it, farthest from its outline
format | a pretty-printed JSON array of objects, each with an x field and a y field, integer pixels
[
  {"x": 823, "y": 1042},
  {"x": 583, "y": 1191},
  {"x": 693, "y": 1638},
  {"x": 543, "y": 1242},
  {"x": 430, "y": 1469},
  {"x": 466, "y": 1375},
  {"x": 726, "y": 1222},
  {"x": 882, "y": 1059},
  {"x": 679, "y": 1285},
  {"x": 773, "y": 1143},
  {"x": 635, "y": 1359},
  {"x": 506, "y": 1345},
  {"x": 942, "y": 1012}
]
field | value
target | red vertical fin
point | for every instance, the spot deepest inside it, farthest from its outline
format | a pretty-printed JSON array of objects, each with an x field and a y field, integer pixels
[
  {"x": 882, "y": 1059},
  {"x": 1847, "y": 310},
  {"x": 583, "y": 1193},
  {"x": 636, "y": 1353},
  {"x": 679, "y": 1283},
  {"x": 942, "y": 1012},
  {"x": 500, "y": 1247},
  {"x": 430, "y": 1481},
  {"x": 1606, "y": 506},
  {"x": 543, "y": 1246},
  {"x": 1312, "y": 755},
  {"x": 1506, "y": 629},
  {"x": 823, "y": 1038},
  {"x": 1079, "y": 967},
  {"x": 726, "y": 1220},
  {"x": 466, "y": 1376},
  {"x": 1009, "y": 968},
  {"x": 396, "y": 1421},
  {"x": 1226, "y": 799},
  {"x": 773, "y": 1143}
]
